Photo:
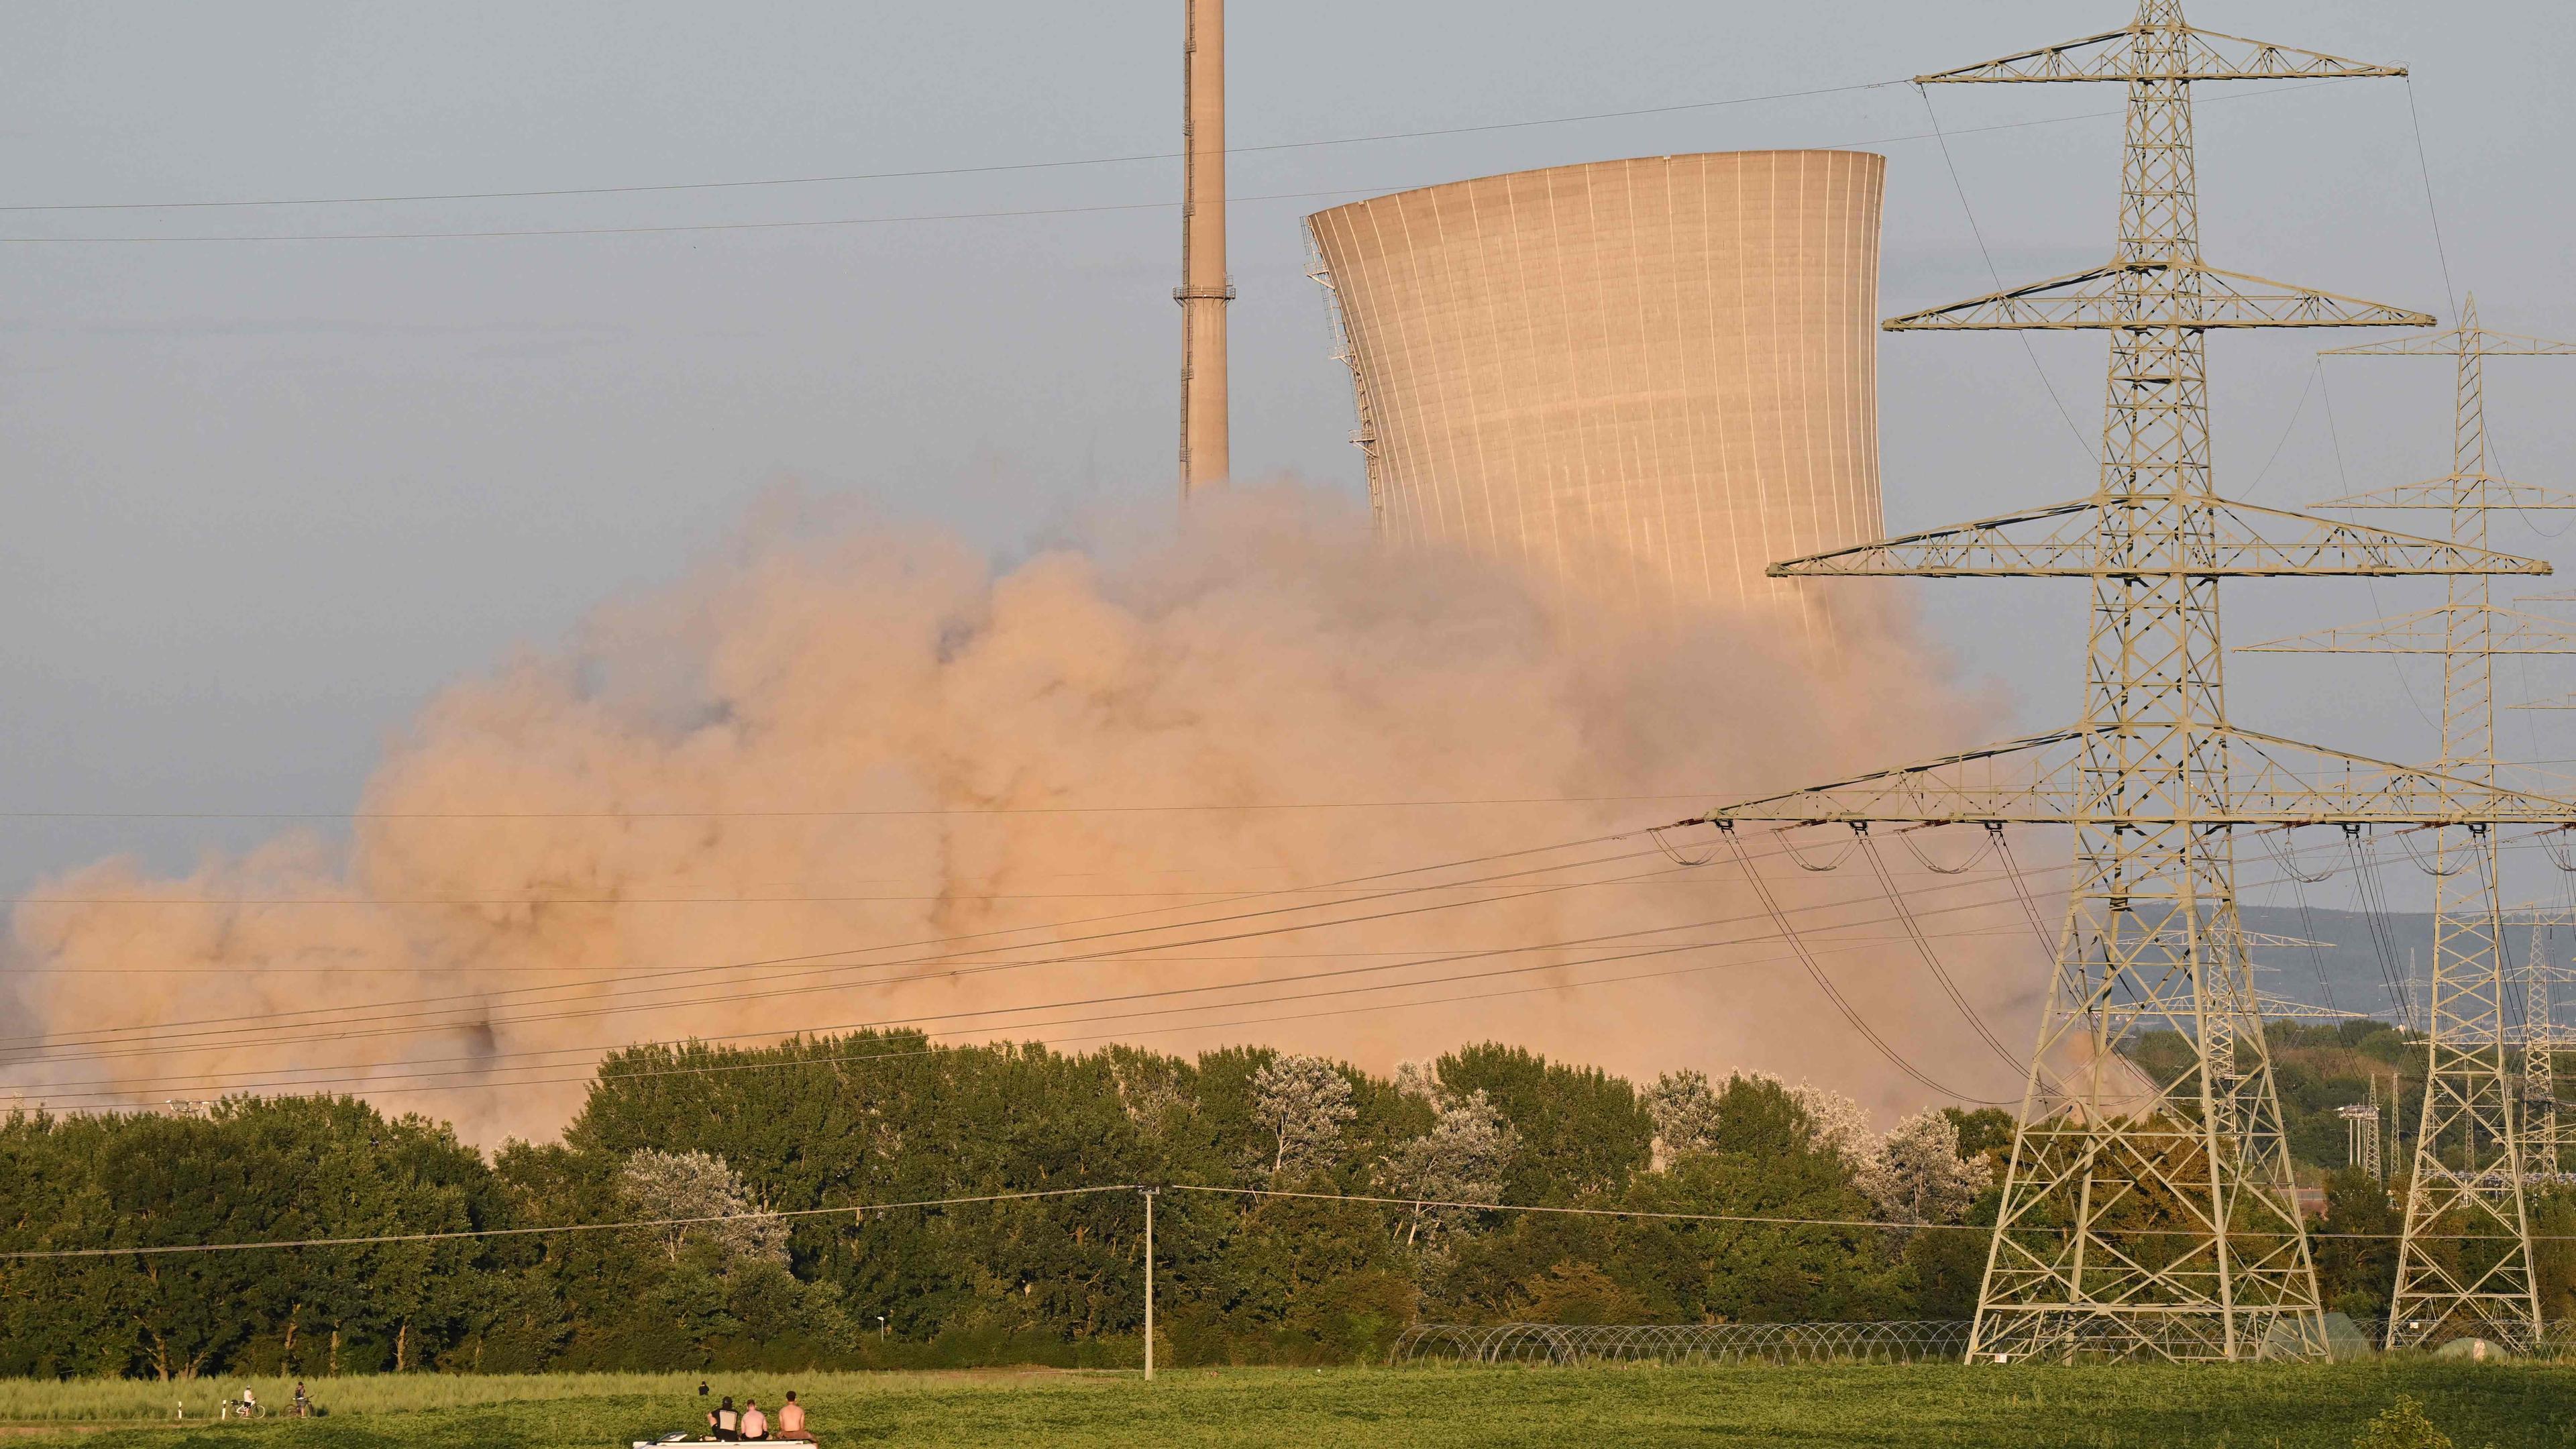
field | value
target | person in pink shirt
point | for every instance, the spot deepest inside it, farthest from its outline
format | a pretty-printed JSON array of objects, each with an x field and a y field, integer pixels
[{"x": 755, "y": 1424}]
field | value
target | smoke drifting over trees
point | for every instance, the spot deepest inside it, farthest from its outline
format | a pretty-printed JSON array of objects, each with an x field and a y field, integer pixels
[{"x": 848, "y": 775}]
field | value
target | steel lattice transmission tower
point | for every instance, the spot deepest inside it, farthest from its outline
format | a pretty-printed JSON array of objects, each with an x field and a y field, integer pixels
[
  {"x": 2158, "y": 1221},
  {"x": 2544, "y": 1132},
  {"x": 2467, "y": 1177}
]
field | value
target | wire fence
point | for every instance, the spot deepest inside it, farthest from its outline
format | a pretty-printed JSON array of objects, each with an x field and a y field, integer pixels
[
  {"x": 1907, "y": 1341},
  {"x": 1571, "y": 1345}
]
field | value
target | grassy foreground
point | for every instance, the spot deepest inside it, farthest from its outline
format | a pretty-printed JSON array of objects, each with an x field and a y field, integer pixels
[{"x": 1415, "y": 1408}]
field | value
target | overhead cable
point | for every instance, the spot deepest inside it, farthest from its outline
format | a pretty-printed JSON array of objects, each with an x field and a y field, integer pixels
[
  {"x": 1996, "y": 275},
  {"x": 920, "y": 173},
  {"x": 855, "y": 1209},
  {"x": 483, "y": 1063},
  {"x": 1816, "y": 972},
  {"x": 1932, "y": 959},
  {"x": 455, "y": 1234},
  {"x": 679, "y": 973},
  {"x": 459, "y": 234}
]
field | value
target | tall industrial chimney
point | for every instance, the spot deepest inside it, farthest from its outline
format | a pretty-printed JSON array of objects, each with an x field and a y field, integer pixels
[{"x": 1204, "y": 289}]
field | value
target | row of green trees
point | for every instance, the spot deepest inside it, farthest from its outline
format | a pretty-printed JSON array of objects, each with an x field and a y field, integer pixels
[
  {"x": 792, "y": 1156},
  {"x": 810, "y": 1138}
]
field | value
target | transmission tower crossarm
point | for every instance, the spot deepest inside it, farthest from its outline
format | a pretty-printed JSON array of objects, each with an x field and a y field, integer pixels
[
  {"x": 2468, "y": 341},
  {"x": 2226, "y": 540},
  {"x": 2436, "y": 630},
  {"x": 2282, "y": 1006},
  {"x": 2270, "y": 941},
  {"x": 2453, "y": 492},
  {"x": 2107, "y": 298},
  {"x": 2188, "y": 54},
  {"x": 2039, "y": 780}
]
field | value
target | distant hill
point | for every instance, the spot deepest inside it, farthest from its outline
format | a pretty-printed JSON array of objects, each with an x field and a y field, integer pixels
[{"x": 2352, "y": 971}]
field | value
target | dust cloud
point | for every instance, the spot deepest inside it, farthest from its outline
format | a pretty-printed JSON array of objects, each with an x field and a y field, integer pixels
[{"x": 846, "y": 773}]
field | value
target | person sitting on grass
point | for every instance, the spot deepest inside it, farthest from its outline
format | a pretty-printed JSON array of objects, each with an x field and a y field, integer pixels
[
  {"x": 755, "y": 1424},
  {"x": 791, "y": 1420},
  {"x": 726, "y": 1423}
]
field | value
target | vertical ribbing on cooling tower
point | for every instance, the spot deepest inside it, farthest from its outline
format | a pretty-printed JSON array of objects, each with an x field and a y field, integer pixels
[{"x": 1649, "y": 377}]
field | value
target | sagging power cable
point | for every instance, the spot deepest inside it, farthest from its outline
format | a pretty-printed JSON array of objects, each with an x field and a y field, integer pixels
[
  {"x": 1931, "y": 958},
  {"x": 1824, "y": 983},
  {"x": 2373, "y": 907}
]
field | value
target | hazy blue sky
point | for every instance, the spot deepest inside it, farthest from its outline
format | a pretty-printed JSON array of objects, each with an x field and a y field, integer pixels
[{"x": 262, "y": 497}]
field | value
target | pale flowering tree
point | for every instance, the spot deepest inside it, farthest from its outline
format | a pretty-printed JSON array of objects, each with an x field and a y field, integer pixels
[
  {"x": 1838, "y": 1124},
  {"x": 1418, "y": 1079},
  {"x": 1917, "y": 1175},
  {"x": 1688, "y": 1110},
  {"x": 1303, "y": 1101},
  {"x": 699, "y": 1186},
  {"x": 1460, "y": 1160},
  {"x": 1684, "y": 1108},
  {"x": 1149, "y": 1088}
]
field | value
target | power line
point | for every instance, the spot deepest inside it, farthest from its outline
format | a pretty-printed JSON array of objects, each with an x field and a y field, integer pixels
[
  {"x": 483, "y": 1062},
  {"x": 730, "y": 996},
  {"x": 1931, "y": 960},
  {"x": 1997, "y": 275},
  {"x": 854, "y": 812},
  {"x": 890, "y": 1023},
  {"x": 668, "y": 228},
  {"x": 2424, "y": 167},
  {"x": 177, "y": 1036},
  {"x": 855, "y": 1210},
  {"x": 379, "y": 1084},
  {"x": 215, "y": 1025},
  {"x": 2287, "y": 428},
  {"x": 122, "y": 1037},
  {"x": 1171, "y": 894},
  {"x": 1816, "y": 972},
  {"x": 223, "y": 1026},
  {"x": 1124, "y": 1032},
  {"x": 934, "y": 171},
  {"x": 1139, "y": 958},
  {"x": 226, "y": 1031},
  {"x": 374, "y": 901},
  {"x": 485, "y": 1059},
  {"x": 454, "y": 1234},
  {"x": 1777, "y": 1220},
  {"x": 738, "y": 226}
]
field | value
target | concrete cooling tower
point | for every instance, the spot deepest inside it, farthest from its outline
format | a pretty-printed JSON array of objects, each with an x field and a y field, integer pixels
[{"x": 1650, "y": 377}]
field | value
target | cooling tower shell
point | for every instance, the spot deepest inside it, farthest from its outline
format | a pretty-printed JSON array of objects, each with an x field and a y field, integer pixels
[{"x": 1650, "y": 377}]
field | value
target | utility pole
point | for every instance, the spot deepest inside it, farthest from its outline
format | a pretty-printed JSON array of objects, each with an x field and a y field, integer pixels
[
  {"x": 1205, "y": 288},
  {"x": 1150, "y": 1194},
  {"x": 2361, "y": 1133},
  {"x": 2467, "y": 1183},
  {"x": 2389, "y": 1135},
  {"x": 2155, "y": 1223},
  {"x": 2378, "y": 1132}
]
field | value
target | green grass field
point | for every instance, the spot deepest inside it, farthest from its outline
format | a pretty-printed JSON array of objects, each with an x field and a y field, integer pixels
[{"x": 1417, "y": 1408}]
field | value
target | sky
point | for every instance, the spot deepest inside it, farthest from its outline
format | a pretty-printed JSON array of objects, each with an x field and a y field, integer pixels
[{"x": 262, "y": 498}]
